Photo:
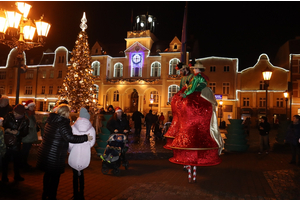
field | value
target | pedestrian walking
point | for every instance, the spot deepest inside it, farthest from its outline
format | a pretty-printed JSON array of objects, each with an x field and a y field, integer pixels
[
  {"x": 54, "y": 148},
  {"x": 32, "y": 136},
  {"x": 2, "y": 143},
  {"x": 292, "y": 137},
  {"x": 137, "y": 118},
  {"x": 80, "y": 154},
  {"x": 149, "y": 119},
  {"x": 264, "y": 131},
  {"x": 15, "y": 128},
  {"x": 161, "y": 118}
]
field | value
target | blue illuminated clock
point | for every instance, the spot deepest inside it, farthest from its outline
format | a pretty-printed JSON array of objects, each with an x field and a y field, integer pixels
[{"x": 136, "y": 58}]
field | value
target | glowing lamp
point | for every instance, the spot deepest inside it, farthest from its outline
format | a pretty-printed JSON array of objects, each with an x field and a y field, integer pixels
[
  {"x": 13, "y": 19},
  {"x": 45, "y": 99},
  {"x": 3, "y": 22},
  {"x": 151, "y": 101},
  {"x": 24, "y": 8},
  {"x": 42, "y": 28},
  {"x": 29, "y": 30},
  {"x": 142, "y": 24},
  {"x": 286, "y": 94},
  {"x": 150, "y": 19},
  {"x": 267, "y": 73},
  {"x": 221, "y": 103}
]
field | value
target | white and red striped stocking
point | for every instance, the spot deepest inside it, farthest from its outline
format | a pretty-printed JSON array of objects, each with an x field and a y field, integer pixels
[
  {"x": 194, "y": 173},
  {"x": 189, "y": 172}
]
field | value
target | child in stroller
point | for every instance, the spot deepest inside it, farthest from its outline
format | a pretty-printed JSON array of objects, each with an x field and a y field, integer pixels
[{"x": 114, "y": 154}]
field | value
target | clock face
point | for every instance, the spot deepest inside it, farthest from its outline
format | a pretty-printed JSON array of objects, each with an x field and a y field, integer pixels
[{"x": 136, "y": 58}]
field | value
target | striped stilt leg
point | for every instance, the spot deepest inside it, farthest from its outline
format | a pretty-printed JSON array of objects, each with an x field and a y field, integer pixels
[
  {"x": 194, "y": 173},
  {"x": 189, "y": 173}
]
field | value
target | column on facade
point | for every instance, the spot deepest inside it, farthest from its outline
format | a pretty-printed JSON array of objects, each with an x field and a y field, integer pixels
[
  {"x": 159, "y": 105},
  {"x": 254, "y": 100},
  {"x": 141, "y": 104},
  {"x": 121, "y": 104},
  {"x": 104, "y": 101},
  {"x": 271, "y": 103}
]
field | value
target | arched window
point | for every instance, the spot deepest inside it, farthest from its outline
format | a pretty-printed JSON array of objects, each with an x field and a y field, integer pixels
[
  {"x": 154, "y": 96},
  {"x": 96, "y": 68},
  {"x": 116, "y": 95},
  {"x": 172, "y": 90},
  {"x": 155, "y": 69},
  {"x": 172, "y": 65},
  {"x": 118, "y": 70},
  {"x": 97, "y": 91}
]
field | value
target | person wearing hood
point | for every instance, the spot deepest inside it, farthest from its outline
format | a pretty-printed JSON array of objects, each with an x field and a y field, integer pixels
[
  {"x": 80, "y": 154},
  {"x": 264, "y": 130},
  {"x": 54, "y": 149},
  {"x": 32, "y": 133}
]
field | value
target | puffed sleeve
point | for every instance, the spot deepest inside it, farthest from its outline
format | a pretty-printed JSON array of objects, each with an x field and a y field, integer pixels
[{"x": 197, "y": 84}]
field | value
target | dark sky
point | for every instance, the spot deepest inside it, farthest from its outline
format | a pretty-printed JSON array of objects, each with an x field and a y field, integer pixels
[{"x": 240, "y": 30}]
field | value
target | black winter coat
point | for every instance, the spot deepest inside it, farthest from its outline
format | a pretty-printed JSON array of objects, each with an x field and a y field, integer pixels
[
  {"x": 266, "y": 128},
  {"x": 54, "y": 148},
  {"x": 16, "y": 124},
  {"x": 121, "y": 125},
  {"x": 5, "y": 110},
  {"x": 137, "y": 118}
]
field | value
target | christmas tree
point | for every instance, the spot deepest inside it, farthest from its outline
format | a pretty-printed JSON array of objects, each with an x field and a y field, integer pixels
[{"x": 78, "y": 85}]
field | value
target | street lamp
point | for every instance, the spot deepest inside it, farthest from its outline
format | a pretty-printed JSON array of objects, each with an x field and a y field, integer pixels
[
  {"x": 151, "y": 102},
  {"x": 16, "y": 31},
  {"x": 267, "y": 73},
  {"x": 286, "y": 95},
  {"x": 220, "y": 113}
]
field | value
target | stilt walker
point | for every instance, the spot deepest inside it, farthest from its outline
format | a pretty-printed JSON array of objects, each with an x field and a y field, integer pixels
[{"x": 198, "y": 142}]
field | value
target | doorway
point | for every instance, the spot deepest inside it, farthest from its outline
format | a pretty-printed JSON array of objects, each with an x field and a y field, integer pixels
[{"x": 134, "y": 101}]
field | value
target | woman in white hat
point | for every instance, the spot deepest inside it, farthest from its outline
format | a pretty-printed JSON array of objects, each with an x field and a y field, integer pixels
[{"x": 194, "y": 144}]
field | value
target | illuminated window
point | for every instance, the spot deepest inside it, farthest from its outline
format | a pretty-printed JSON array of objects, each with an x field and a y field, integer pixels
[
  {"x": 97, "y": 91},
  {"x": 262, "y": 102},
  {"x": 44, "y": 74},
  {"x": 29, "y": 75},
  {"x": 173, "y": 89},
  {"x": 50, "y": 89},
  {"x": 10, "y": 88},
  {"x": 96, "y": 67},
  {"x": 28, "y": 89},
  {"x": 212, "y": 68},
  {"x": 116, "y": 95},
  {"x": 43, "y": 89},
  {"x": 155, "y": 69},
  {"x": 118, "y": 70},
  {"x": 225, "y": 87},
  {"x": 172, "y": 67},
  {"x": 246, "y": 101},
  {"x": 154, "y": 96},
  {"x": 212, "y": 86},
  {"x": 2, "y": 75},
  {"x": 279, "y": 102}
]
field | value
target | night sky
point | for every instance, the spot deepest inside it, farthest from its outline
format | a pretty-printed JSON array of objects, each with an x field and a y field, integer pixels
[{"x": 240, "y": 30}]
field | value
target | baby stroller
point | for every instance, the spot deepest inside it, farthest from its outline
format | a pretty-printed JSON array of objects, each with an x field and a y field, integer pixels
[{"x": 114, "y": 154}]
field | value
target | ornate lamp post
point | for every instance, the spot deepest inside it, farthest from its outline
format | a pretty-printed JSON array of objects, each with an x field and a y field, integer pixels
[
  {"x": 17, "y": 31},
  {"x": 267, "y": 73},
  {"x": 221, "y": 113},
  {"x": 286, "y": 95}
]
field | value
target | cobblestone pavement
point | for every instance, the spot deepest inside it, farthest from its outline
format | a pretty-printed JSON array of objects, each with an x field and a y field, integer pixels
[{"x": 243, "y": 176}]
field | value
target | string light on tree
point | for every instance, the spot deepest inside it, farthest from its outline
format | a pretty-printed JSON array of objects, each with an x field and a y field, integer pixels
[{"x": 78, "y": 84}]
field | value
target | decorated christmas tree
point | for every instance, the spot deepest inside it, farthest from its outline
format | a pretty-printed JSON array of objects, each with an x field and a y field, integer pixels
[{"x": 78, "y": 86}]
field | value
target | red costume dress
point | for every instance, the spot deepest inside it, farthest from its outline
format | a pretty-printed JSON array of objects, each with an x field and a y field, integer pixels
[
  {"x": 194, "y": 144},
  {"x": 176, "y": 104}
]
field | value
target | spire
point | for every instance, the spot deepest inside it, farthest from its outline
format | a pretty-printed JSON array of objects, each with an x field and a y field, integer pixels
[{"x": 83, "y": 25}]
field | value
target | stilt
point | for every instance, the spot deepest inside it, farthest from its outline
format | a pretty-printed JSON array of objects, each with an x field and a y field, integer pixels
[
  {"x": 194, "y": 173},
  {"x": 189, "y": 173}
]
